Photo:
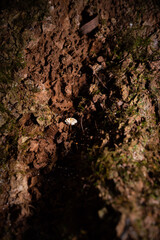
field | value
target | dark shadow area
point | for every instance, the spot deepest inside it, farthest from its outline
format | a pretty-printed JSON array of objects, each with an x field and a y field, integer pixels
[
  {"x": 21, "y": 5},
  {"x": 68, "y": 208},
  {"x": 86, "y": 16}
]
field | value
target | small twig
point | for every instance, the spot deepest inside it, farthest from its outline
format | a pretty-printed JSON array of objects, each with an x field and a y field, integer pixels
[
  {"x": 69, "y": 130},
  {"x": 96, "y": 125},
  {"x": 123, "y": 58},
  {"x": 82, "y": 124},
  {"x": 95, "y": 74},
  {"x": 100, "y": 81}
]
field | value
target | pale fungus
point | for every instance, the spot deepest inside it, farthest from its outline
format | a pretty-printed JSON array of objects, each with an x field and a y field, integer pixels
[{"x": 71, "y": 121}]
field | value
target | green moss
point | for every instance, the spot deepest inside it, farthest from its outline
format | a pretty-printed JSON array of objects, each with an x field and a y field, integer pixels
[
  {"x": 42, "y": 118},
  {"x": 104, "y": 22},
  {"x": 130, "y": 42},
  {"x": 25, "y": 145},
  {"x": 2, "y": 108},
  {"x": 20, "y": 17}
]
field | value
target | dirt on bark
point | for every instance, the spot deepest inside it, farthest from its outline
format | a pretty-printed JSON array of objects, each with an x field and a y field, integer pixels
[{"x": 97, "y": 62}]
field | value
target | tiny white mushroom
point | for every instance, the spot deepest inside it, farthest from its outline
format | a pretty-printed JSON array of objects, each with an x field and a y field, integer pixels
[
  {"x": 131, "y": 25},
  {"x": 71, "y": 121}
]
